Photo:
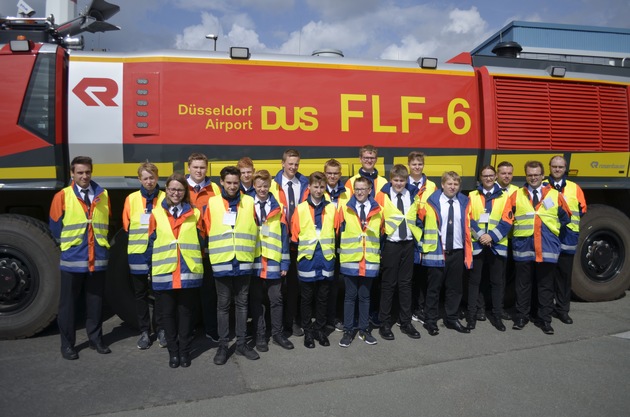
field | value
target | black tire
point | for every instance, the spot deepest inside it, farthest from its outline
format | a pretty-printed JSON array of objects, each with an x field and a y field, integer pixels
[
  {"x": 29, "y": 276},
  {"x": 118, "y": 287},
  {"x": 601, "y": 268}
]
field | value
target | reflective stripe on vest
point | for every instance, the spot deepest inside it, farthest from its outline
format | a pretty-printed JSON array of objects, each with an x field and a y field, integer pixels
[
  {"x": 75, "y": 221},
  {"x": 356, "y": 243},
  {"x": 165, "y": 248},
  {"x": 269, "y": 243},
  {"x": 138, "y": 232},
  {"x": 570, "y": 195},
  {"x": 525, "y": 214},
  {"x": 308, "y": 234},
  {"x": 226, "y": 242},
  {"x": 478, "y": 208}
]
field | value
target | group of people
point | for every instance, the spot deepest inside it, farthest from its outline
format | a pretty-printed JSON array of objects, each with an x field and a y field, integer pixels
[{"x": 294, "y": 243}]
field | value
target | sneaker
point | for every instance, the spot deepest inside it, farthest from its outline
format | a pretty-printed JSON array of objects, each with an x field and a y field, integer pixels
[
  {"x": 346, "y": 339},
  {"x": 145, "y": 341},
  {"x": 367, "y": 337},
  {"x": 249, "y": 353},
  {"x": 221, "y": 356},
  {"x": 161, "y": 337},
  {"x": 418, "y": 316},
  {"x": 338, "y": 326}
]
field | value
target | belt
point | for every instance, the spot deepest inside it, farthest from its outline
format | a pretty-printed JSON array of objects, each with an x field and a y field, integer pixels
[
  {"x": 399, "y": 242},
  {"x": 452, "y": 251}
]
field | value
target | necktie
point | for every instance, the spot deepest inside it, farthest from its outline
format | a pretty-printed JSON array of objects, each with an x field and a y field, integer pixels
[
  {"x": 450, "y": 226},
  {"x": 86, "y": 197},
  {"x": 263, "y": 214},
  {"x": 558, "y": 187},
  {"x": 291, "y": 200},
  {"x": 197, "y": 188},
  {"x": 362, "y": 215},
  {"x": 535, "y": 192},
  {"x": 488, "y": 194},
  {"x": 175, "y": 212},
  {"x": 402, "y": 229},
  {"x": 415, "y": 183}
]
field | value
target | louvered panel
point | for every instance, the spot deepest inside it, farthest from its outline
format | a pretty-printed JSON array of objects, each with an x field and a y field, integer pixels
[
  {"x": 552, "y": 115},
  {"x": 615, "y": 129},
  {"x": 574, "y": 117}
]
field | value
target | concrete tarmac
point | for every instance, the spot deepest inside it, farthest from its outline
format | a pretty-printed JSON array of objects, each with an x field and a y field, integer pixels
[{"x": 582, "y": 370}]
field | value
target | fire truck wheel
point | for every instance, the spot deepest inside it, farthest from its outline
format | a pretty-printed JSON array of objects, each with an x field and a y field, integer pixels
[
  {"x": 29, "y": 276},
  {"x": 601, "y": 268},
  {"x": 118, "y": 287}
]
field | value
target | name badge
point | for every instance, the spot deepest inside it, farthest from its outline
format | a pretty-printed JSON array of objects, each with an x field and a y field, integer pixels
[
  {"x": 229, "y": 218},
  {"x": 548, "y": 203},
  {"x": 484, "y": 218},
  {"x": 144, "y": 219},
  {"x": 264, "y": 229}
]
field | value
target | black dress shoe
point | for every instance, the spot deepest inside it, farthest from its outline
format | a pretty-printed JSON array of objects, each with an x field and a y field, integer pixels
[
  {"x": 498, "y": 323},
  {"x": 184, "y": 360},
  {"x": 564, "y": 317},
  {"x": 519, "y": 324},
  {"x": 506, "y": 316},
  {"x": 471, "y": 323},
  {"x": 321, "y": 337},
  {"x": 69, "y": 353},
  {"x": 410, "y": 331},
  {"x": 481, "y": 315},
  {"x": 173, "y": 361},
  {"x": 432, "y": 329},
  {"x": 545, "y": 327},
  {"x": 456, "y": 325},
  {"x": 309, "y": 341},
  {"x": 283, "y": 342},
  {"x": 101, "y": 348},
  {"x": 386, "y": 332}
]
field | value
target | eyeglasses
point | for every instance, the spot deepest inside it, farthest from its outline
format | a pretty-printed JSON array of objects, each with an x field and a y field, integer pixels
[{"x": 176, "y": 190}]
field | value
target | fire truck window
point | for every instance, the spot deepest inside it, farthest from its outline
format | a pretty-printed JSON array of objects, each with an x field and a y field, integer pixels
[{"x": 38, "y": 110}]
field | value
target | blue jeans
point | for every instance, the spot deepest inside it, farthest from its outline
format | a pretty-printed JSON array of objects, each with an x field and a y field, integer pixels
[
  {"x": 228, "y": 288},
  {"x": 356, "y": 288}
]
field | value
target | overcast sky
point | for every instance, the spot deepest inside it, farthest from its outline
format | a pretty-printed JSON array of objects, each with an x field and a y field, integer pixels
[{"x": 386, "y": 29}]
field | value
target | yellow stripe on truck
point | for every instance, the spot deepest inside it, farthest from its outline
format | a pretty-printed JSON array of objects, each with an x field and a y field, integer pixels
[{"x": 28, "y": 173}]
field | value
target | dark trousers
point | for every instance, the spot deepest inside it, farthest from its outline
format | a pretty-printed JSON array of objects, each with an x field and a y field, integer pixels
[
  {"x": 291, "y": 292},
  {"x": 336, "y": 286},
  {"x": 228, "y": 288},
  {"x": 419, "y": 285},
  {"x": 318, "y": 292},
  {"x": 71, "y": 285},
  {"x": 208, "y": 295},
  {"x": 141, "y": 290},
  {"x": 397, "y": 272},
  {"x": 357, "y": 288},
  {"x": 451, "y": 277},
  {"x": 540, "y": 273},
  {"x": 495, "y": 267},
  {"x": 562, "y": 282},
  {"x": 258, "y": 288},
  {"x": 178, "y": 308}
]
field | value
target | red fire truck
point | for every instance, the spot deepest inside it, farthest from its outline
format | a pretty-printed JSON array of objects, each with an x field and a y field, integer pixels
[{"x": 125, "y": 108}]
